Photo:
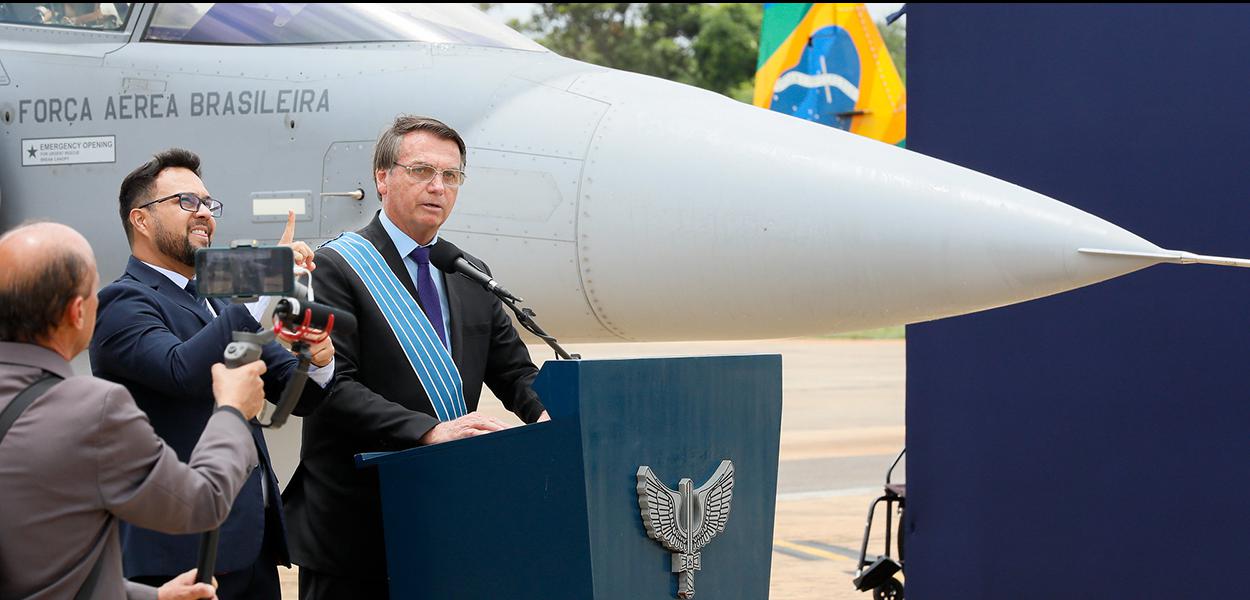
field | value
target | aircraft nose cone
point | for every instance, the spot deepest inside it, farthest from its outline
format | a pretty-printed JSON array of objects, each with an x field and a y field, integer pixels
[{"x": 800, "y": 227}]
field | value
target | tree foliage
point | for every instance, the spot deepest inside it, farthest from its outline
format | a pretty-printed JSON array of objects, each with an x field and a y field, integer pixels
[{"x": 712, "y": 46}]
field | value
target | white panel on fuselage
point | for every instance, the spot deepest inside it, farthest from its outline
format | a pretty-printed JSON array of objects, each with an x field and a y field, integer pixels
[
  {"x": 510, "y": 122},
  {"x": 517, "y": 195},
  {"x": 549, "y": 282}
]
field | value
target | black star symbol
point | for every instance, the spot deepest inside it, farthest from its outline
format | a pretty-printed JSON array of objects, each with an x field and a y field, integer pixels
[{"x": 31, "y": 150}]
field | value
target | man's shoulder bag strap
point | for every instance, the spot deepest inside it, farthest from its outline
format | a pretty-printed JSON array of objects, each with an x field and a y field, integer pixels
[
  {"x": 7, "y": 418},
  {"x": 24, "y": 399}
]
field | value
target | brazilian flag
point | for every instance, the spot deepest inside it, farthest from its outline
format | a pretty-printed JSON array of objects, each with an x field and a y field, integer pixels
[{"x": 827, "y": 63}]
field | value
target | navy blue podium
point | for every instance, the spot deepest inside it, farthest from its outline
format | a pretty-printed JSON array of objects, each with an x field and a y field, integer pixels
[{"x": 550, "y": 510}]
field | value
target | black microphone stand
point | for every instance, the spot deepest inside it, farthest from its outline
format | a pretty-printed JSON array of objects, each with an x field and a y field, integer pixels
[
  {"x": 525, "y": 316},
  {"x": 446, "y": 257}
]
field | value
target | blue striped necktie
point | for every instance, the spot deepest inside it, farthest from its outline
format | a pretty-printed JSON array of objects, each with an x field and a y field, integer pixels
[{"x": 427, "y": 294}]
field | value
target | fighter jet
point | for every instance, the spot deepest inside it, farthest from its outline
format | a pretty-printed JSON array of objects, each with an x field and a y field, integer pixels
[{"x": 620, "y": 206}]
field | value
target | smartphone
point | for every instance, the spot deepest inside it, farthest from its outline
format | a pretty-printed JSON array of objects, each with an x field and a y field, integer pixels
[{"x": 245, "y": 271}]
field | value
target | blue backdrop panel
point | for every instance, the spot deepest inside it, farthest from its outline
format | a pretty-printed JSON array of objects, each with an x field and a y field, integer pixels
[{"x": 1092, "y": 444}]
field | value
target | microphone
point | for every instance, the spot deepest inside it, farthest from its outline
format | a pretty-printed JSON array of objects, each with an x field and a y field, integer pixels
[
  {"x": 291, "y": 312},
  {"x": 446, "y": 257}
]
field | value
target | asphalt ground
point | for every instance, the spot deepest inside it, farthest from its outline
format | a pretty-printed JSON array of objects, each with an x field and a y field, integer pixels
[{"x": 841, "y": 427}]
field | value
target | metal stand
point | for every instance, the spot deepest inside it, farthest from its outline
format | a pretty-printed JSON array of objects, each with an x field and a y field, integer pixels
[
  {"x": 878, "y": 575},
  {"x": 525, "y": 316}
]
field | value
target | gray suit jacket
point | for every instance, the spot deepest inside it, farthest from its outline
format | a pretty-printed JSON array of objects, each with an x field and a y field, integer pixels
[{"x": 83, "y": 456}]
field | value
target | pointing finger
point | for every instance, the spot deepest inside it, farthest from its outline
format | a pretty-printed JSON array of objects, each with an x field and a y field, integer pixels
[{"x": 288, "y": 234}]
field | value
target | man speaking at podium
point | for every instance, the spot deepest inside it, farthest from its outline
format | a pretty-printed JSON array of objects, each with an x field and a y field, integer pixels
[{"x": 412, "y": 372}]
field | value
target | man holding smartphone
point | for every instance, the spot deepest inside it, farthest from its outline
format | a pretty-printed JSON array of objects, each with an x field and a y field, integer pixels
[{"x": 158, "y": 337}]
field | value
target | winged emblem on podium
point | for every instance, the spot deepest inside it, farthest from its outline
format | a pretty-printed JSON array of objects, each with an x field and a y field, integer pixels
[{"x": 686, "y": 519}]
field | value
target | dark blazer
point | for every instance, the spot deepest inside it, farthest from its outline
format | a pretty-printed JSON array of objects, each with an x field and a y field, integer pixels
[
  {"x": 154, "y": 339},
  {"x": 377, "y": 404}
]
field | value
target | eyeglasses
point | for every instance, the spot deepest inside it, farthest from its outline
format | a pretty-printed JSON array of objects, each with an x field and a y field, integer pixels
[
  {"x": 423, "y": 173},
  {"x": 190, "y": 202}
]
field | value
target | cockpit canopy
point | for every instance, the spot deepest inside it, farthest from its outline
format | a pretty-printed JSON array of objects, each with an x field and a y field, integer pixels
[
  {"x": 99, "y": 16},
  {"x": 272, "y": 24},
  {"x": 259, "y": 24}
]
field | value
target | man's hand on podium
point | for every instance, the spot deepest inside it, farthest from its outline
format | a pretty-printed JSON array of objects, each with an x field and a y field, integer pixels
[
  {"x": 469, "y": 425},
  {"x": 543, "y": 417}
]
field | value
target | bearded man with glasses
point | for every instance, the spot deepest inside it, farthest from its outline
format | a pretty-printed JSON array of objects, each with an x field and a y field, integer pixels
[
  {"x": 156, "y": 336},
  {"x": 412, "y": 321}
]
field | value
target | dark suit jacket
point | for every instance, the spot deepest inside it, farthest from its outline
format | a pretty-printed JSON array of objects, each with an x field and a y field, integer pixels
[
  {"x": 83, "y": 456},
  {"x": 377, "y": 404},
  {"x": 154, "y": 339}
]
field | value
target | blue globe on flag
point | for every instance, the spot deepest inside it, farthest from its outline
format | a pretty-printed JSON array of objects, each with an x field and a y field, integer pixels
[{"x": 825, "y": 82}]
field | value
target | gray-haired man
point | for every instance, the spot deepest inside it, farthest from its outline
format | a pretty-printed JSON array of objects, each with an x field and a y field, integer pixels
[{"x": 384, "y": 397}]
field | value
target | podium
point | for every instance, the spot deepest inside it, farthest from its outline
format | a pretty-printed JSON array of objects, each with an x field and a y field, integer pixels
[{"x": 550, "y": 510}]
